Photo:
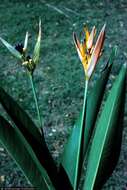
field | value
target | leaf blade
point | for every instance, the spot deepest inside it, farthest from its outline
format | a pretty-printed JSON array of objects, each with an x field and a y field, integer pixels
[
  {"x": 22, "y": 153},
  {"x": 103, "y": 148},
  {"x": 12, "y": 50},
  {"x": 95, "y": 98},
  {"x": 30, "y": 132}
]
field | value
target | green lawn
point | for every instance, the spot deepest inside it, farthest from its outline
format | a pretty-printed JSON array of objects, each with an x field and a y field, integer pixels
[{"x": 59, "y": 77}]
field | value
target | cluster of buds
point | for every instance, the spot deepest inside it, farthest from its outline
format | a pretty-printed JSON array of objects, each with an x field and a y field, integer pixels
[
  {"x": 20, "y": 51},
  {"x": 87, "y": 51}
]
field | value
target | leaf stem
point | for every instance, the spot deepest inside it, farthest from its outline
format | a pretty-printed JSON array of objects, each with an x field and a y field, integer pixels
[
  {"x": 36, "y": 101},
  {"x": 80, "y": 138}
]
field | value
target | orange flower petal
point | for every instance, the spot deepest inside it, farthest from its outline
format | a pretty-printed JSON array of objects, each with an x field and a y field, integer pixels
[
  {"x": 79, "y": 46},
  {"x": 76, "y": 41},
  {"x": 96, "y": 52},
  {"x": 82, "y": 49},
  {"x": 86, "y": 33},
  {"x": 89, "y": 43}
]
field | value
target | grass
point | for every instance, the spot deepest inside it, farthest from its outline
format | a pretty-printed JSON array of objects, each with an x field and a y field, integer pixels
[{"x": 59, "y": 77}]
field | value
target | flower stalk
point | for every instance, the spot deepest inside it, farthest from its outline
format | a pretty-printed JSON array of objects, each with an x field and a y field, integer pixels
[
  {"x": 35, "y": 100},
  {"x": 80, "y": 137}
]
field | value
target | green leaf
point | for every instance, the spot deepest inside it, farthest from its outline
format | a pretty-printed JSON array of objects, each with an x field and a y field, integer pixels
[
  {"x": 11, "y": 49},
  {"x": 30, "y": 132},
  {"x": 24, "y": 156},
  {"x": 19, "y": 116},
  {"x": 36, "y": 53},
  {"x": 106, "y": 142},
  {"x": 95, "y": 96}
]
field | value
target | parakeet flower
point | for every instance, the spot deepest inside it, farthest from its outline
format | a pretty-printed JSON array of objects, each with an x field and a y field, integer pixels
[
  {"x": 87, "y": 51},
  {"x": 20, "y": 51}
]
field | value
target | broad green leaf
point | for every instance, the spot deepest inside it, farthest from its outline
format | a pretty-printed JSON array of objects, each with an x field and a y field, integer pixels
[
  {"x": 95, "y": 96},
  {"x": 11, "y": 49},
  {"x": 19, "y": 116},
  {"x": 30, "y": 132},
  {"x": 36, "y": 53},
  {"x": 106, "y": 142},
  {"x": 24, "y": 156}
]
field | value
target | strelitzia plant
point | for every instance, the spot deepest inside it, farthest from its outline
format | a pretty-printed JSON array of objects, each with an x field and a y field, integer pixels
[
  {"x": 92, "y": 141},
  {"x": 33, "y": 133},
  {"x": 86, "y": 129},
  {"x": 89, "y": 55},
  {"x": 29, "y": 62}
]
